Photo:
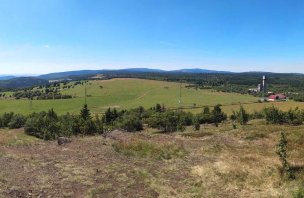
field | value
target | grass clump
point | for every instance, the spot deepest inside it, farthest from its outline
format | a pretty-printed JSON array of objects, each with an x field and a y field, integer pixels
[
  {"x": 298, "y": 193},
  {"x": 256, "y": 136},
  {"x": 140, "y": 148},
  {"x": 196, "y": 134},
  {"x": 15, "y": 138}
]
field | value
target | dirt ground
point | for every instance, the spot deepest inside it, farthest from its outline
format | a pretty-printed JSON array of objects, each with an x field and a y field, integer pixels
[{"x": 219, "y": 162}]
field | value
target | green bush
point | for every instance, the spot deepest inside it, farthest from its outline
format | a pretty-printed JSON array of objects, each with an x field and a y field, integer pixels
[
  {"x": 131, "y": 122},
  {"x": 17, "y": 121},
  {"x": 241, "y": 116},
  {"x": 99, "y": 124},
  {"x": 5, "y": 119},
  {"x": 167, "y": 121},
  {"x": 275, "y": 116},
  {"x": 197, "y": 124},
  {"x": 205, "y": 117},
  {"x": 87, "y": 127},
  {"x": 33, "y": 126},
  {"x": 217, "y": 115}
]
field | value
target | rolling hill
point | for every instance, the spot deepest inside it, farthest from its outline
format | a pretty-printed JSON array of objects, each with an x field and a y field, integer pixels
[
  {"x": 68, "y": 74},
  {"x": 22, "y": 82}
]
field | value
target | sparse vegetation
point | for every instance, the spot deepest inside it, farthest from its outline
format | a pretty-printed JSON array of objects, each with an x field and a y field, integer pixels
[
  {"x": 275, "y": 116},
  {"x": 142, "y": 148}
]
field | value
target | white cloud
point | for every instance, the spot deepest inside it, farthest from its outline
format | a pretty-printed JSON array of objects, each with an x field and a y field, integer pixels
[{"x": 46, "y": 46}]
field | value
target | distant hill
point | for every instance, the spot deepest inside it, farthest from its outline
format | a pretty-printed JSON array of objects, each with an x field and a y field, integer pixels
[
  {"x": 195, "y": 75},
  {"x": 22, "y": 82},
  {"x": 67, "y": 74},
  {"x": 140, "y": 70},
  {"x": 4, "y": 77},
  {"x": 201, "y": 71}
]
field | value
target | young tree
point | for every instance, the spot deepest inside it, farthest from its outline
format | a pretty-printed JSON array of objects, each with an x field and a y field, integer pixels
[
  {"x": 218, "y": 115},
  {"x": 52, "y": 114},
  {"x": 85, "y": 113},
  {"x": 242, "y": 116},
  {"x": 158, "y": 108},
  {"x": 99, "y": 124},
  {"x": 282, "y": 153}
]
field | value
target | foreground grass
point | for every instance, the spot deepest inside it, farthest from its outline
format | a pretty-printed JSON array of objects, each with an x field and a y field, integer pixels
[
  {"x": 213, "y": 162},
  {"x": 13, "y": 137},
  {"x": 142, "y": 148}
]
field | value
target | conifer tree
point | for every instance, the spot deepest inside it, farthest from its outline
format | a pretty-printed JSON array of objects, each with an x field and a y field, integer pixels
[{"x": 85, "y": 113}]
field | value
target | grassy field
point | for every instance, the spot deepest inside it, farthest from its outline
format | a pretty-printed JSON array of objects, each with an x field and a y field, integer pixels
[
  {"x": 213, "y": 162},
  {"x": 125, "y": 93},
  {"x": 285, "y": 106},
  {"x": 130, "y": 93}
]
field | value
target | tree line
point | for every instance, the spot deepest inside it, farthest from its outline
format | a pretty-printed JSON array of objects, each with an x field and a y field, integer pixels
[{"x": 48, "y": 125}]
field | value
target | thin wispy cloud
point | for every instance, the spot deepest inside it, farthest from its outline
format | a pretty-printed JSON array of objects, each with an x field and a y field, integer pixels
[{"x": 46, "y": 46}]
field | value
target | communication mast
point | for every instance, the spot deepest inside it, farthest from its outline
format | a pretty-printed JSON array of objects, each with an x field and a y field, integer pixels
[{"x": 264, "y": 86}]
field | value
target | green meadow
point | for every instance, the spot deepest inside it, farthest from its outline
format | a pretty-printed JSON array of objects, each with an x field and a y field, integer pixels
[{"x": 126, "y": 93}]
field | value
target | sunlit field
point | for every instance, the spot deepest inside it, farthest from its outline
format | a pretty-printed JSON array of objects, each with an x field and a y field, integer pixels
[{"x": 125, "y": 94}]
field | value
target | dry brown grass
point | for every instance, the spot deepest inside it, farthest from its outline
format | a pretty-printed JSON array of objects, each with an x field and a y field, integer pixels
[{"x": 226, "y": 162}]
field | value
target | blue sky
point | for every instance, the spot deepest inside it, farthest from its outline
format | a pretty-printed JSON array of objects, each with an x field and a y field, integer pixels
[{"x": 41, "y": 36}]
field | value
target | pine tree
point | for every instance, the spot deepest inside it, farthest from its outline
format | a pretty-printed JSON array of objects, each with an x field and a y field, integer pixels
[
  {"x": 51, "y": 114},
  {"x": 85, "y": 113}
]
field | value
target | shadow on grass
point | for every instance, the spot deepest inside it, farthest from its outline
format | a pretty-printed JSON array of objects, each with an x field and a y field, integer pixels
[
  {"x": 296, "y": 172},
  {"x": 297, "y": 168},
  {"x": 196, "y": 134}
]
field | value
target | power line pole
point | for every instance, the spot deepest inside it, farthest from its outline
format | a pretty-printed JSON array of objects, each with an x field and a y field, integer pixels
[
  {"x": 31, "y": 102},
  {"x": 85, "y": 93},
  {"x": 180, "y": 93}
]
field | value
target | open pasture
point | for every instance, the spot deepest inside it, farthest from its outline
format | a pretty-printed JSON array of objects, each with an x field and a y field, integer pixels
[{"x": 124, "y": 94}]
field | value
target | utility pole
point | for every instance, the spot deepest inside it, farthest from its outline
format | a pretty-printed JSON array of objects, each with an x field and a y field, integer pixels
[
  {"x": 60, "y": 90},
  {"x": 31, "y": 104},
  {"x": 85, "y": 93},
  {"x": 31, "y": 101},
  {"x": 180, "y": 93}
]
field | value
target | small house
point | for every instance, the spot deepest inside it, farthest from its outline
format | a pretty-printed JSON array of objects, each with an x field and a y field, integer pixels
[{"x": 277, "y": 97}]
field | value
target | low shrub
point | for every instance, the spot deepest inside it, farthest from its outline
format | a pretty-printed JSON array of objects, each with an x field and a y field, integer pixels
[{"x": 17, "y": 122}]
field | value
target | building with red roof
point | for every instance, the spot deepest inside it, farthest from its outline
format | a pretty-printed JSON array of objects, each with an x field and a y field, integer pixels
[{"x": 277, "y": 97}]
